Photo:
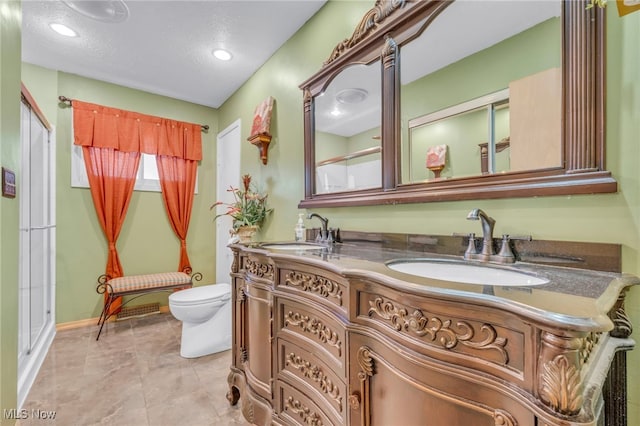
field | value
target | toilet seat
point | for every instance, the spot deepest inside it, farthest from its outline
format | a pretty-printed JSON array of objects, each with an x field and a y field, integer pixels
[{"x": 201, "y": 295}]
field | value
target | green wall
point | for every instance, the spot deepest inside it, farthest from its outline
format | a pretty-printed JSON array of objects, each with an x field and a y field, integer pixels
[
  {"x": 10, "y": 45},
  {"x": 329, "y": 145},
  {"x": 297, "y": 60},
  {"x": 612, "y": 218},
  {"x": 147, "y": 243}
]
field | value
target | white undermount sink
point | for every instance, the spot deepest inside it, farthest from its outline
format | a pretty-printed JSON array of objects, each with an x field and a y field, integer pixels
[
  {"x": 292, "y": 246},
  {"x": 463, "y": 272}
]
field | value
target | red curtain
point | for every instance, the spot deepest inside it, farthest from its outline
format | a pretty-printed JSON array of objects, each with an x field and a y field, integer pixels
[
  {"x": 112, "y": 176},
  {"x": 178, "y": 181},
  {"x": 112, "y": 140},
  {"x": 105, "y": 127}
]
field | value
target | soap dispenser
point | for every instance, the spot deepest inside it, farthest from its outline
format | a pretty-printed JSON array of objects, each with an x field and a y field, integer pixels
[{"x": 300, "y": 229}]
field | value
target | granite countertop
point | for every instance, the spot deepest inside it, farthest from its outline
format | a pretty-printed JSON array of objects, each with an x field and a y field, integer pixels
[{"x": 581, "y": 298}]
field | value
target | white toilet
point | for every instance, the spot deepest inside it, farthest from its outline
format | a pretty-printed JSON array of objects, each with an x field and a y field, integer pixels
[{"x": 205, "y": 313}]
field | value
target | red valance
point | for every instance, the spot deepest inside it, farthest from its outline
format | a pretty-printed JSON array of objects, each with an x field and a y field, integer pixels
[{"x": 105, "y": 127}]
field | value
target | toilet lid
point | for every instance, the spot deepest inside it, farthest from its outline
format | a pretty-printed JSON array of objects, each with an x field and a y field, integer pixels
[{"x": 202, "y": 294}]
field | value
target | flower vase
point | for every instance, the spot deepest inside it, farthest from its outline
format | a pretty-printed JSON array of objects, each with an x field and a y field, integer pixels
[{"x": 246, "y": 233}]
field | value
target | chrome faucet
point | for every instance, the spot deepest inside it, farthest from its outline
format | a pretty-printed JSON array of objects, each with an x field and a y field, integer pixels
[
  {"x": 487, "y": 235},
  {"x": 488, "y": 254},
  {"x": 325, "y": 235}
]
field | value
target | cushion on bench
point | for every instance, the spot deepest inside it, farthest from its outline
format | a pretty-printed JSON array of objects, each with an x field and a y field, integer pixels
[{"x": 149, "y": 281}]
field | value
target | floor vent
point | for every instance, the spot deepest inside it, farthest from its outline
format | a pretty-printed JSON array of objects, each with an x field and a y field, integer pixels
[{"x": 138, "y": 311}]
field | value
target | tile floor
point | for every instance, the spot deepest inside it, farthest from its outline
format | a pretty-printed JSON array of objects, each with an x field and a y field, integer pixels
[{"x": 133, "y": 376}]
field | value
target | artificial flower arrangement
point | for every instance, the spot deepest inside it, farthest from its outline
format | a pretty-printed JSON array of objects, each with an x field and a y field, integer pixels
[{"x": 249, "y": 207}]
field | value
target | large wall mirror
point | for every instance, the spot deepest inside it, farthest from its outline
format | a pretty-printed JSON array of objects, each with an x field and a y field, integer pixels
[
  {"x": 437, "y": 100},
  {"x": 347, "y": 131}
]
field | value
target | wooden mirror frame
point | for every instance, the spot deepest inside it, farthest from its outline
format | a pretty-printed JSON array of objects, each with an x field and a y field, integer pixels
[{"x": 391, "y": 23}]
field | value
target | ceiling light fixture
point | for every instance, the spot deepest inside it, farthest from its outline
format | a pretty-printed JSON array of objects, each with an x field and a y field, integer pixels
[
  {"x": 222, "y": 54},
  {"x": 101, "y": 10},
  {"x": 63, "y": 30},
  {"x": 351, "y": 96}
]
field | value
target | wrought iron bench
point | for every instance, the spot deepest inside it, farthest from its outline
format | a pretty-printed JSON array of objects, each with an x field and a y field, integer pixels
[{"x": 140, "y": 285}]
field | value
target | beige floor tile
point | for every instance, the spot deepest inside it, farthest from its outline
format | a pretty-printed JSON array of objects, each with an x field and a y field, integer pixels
[{"x": 133, "y": 375}]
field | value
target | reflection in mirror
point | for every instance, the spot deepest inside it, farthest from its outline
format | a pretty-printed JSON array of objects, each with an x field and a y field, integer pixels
[
  {"x": 491, "y": 47},
  {"x": 347, "y": 131},
  {"x": 483, "y": 119}
]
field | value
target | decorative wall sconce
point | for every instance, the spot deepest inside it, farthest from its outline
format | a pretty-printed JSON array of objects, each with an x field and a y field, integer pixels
[
  {"x": 436, "y": 159},
  {"x": 260, "y": 135}
]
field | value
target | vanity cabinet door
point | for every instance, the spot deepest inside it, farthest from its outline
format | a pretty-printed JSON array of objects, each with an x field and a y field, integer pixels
[
  {"x": 389, "y": 386},
  {"x": 257, "y": 337},
  {"x": 250, "y": 380},
  {"x": 254, "y": 323}
]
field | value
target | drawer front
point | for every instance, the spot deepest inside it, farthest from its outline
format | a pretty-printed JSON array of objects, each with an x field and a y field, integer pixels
[
  {"x": 298, "y": 366},
  {"x": 258, "y": 268},
  {"x": 465, "y": 335},
  {"x": 322, "y": 331},
  {"x": 327, "y": 289},
  {"x": 295, "y": 408}
]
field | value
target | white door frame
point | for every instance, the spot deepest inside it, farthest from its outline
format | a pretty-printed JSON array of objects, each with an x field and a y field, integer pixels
[{"x": 227, "y": 174}]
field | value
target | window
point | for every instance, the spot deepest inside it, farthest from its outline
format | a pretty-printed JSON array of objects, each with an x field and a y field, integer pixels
[{"x": 147, "y": 179}]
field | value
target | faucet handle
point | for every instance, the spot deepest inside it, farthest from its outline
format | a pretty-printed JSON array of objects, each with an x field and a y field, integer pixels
[
  {"x": 506, "y": 254},
  {"x": 471, "y": 247},
  {"x": 329, "y": 238}
]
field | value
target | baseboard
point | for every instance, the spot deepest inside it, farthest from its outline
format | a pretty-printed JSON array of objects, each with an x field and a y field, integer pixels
[{"x": 92, "y": 322}]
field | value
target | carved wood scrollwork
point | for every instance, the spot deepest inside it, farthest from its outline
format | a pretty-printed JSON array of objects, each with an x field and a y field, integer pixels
[
  {"x": 241, "y": 300},
  {"x": 241, "y": 296},
  {"x": 315, "y": 284},
  {"x": 560, "y": 383},
  {"x": 361, "y": 399},
  {"x": 588, "y": 344},
  {"x": 235, "y": 266},
  {"x": 369, "y": 22},
  {"x": 308, "y": 417},
  {"x": 261, "y": 270},
  {"x": 621, "y": 321},
  {"x": 315, "y": 327},
  {"x": 248, "y": 410},
  {"x": 316, "y": 374},
  {"x": 503, "y": 418},
  {"x": 389, "y": 52},
  {"x": 439, "y": 331}
]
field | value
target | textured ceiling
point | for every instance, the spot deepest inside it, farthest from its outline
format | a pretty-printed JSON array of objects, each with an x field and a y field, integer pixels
[{"x": 164, "y": 47}]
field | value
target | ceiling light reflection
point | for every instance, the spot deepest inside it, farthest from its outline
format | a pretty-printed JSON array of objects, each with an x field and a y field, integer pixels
[{"x": 63, "y": 30}]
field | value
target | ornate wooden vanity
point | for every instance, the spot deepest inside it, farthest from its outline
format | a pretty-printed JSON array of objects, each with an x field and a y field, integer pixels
[{"x": 334, "y": 337}]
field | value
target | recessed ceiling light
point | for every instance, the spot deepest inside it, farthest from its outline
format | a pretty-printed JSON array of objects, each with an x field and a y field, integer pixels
[
  {"x": 100, "y": 10},
  {"x": 351, "y": 96},
  {"x": 222, "y": 54},
  {"x": 63, "y": 30}
]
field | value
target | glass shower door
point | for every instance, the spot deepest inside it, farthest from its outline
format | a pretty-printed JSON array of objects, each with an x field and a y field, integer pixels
[{"x": 36, "y": 247}]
